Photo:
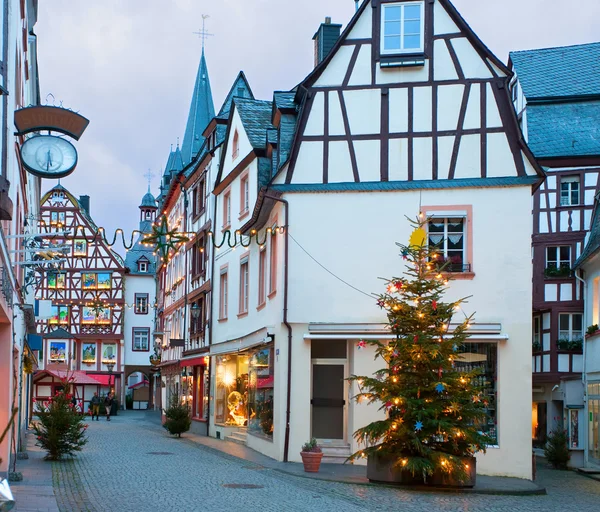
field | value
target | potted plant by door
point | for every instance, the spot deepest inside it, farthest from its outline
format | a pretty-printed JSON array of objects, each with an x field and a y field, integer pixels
[{"x": 311, "y": 456}]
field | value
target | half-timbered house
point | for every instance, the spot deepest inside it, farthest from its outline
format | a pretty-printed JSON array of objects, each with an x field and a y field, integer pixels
[
  {"x": 556, "y": 94},
  {"x": 85, "y": 330},
  {"x": 406, "y": 112}
]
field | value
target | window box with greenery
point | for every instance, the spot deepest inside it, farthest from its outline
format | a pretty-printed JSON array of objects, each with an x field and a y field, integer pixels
[
  {"x": 575, "y": 345},
  {"x": 536, "y": 346},
  {"x": 557, "y": 272},
  {"x": 592, "y": 330}
]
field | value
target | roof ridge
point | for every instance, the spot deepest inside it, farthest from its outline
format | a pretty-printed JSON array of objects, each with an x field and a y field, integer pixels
[{"x": 548, "y": 48}]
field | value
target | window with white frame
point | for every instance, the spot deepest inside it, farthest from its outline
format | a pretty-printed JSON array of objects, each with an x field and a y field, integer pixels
[
  {"x": 244, "y": 277},
  {"x": 141, "y": 339},
  {"x": 226, "y": 209},
  {"x": 569, "y": 191},
  {"x": 570, "y": 327},
  {"x": 244, "y": 194},
  {"x": 558, "y": 257},
  {"x": 223, "y": 295},
  {"x": 142, "y": 266},
  {"x": 141, "y": 303},
  {"x": 447, "y": 235},
  {"x": 262, "y": 275},
  {"x": 402, "y": 28}
]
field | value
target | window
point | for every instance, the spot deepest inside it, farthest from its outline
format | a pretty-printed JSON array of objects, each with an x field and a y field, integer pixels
[
  {"x": 96, "y": 281},
  {"x": 223, "y": 295},
  {"x": 402, "y": 28},
  {"x": 536, "y": 334},
  {"x": 60, "y": 315},
  {"x": 56, "y": 281},
  {"x": 244, "y": 276},
  {"x": 273, "y": 258},
  {"x": 262, "y": 276},
  {"x": 142, "y": 266},
  {"x": 199, "y": 258},
  {"x": 194, "y": 201},
  {"x": 570, "y": 327},
  {"x": 244, "y": 195},
  {"x": 235, "y": 150},
  {"x": 141, "y": 303},
  {"x": 95, "y": 315},
  {"x": 447, "y": 235},
  {"x": 80, "y": 248},
  {"x": 148, "y": 214},
  {"x": 569, "y": 191},
  {"x": 201, "y": 197},
  {"x": 57, "y": 219},
  {"x": 226, "y": 210},
  {"x": 483, "y": 357},
  {"x": 141, "y": 339},
  {"x": 558, "y": 257}
]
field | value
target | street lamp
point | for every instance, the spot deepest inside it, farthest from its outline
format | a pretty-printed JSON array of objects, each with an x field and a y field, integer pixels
[
  {"x": 110, "y": 367},
  {"x": 195, "y": 311}
]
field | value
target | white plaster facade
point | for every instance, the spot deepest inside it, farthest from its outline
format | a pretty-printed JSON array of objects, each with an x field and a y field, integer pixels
[{"x": 366, "y": 132}]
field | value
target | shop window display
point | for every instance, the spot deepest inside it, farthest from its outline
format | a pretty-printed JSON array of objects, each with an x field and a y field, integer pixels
[
  {"x": 260, "y": 392},
  {"x": 231, "y": 407},
  {"x": 483, "y": 356}
]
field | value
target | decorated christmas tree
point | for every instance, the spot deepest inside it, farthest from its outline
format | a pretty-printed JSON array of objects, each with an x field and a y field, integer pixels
[
  {"x": 60, "y": 429},
  {"x": 434, "y": 411}
]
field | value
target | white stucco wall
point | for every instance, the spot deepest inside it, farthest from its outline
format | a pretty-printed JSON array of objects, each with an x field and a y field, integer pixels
[{"x": 135, "y": 284}]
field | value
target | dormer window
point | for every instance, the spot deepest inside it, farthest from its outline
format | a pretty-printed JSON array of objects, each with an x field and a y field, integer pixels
[
  {"x": 235, "y": 150},
  {"x": 402, "y": 28},
  {"x": 142, "y": 266}
]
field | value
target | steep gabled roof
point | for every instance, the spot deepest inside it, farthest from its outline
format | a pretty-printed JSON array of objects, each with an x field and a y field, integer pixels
[
  {"x": 256, "y": 119},
  {"x": 568, "y": 71},
  {"x": 558, "y": 130},
  {"x": 241, "y": 89},
  {"x": 202, "y": 110}
]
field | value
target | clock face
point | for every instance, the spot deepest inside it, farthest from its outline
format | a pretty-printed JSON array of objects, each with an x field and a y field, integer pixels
[{"x": 48, "y": 156}]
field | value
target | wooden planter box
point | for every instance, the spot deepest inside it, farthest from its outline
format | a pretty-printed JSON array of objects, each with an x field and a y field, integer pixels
[
  {"x": 311, "y": 461},
  {"x": 383, "y": 470}
]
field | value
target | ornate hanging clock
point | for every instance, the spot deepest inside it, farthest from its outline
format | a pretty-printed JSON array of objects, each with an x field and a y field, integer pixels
[{"x": 48, "y": 156}]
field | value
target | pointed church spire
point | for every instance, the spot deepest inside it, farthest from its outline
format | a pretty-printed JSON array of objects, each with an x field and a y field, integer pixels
[{"x": 202, "y": 110}]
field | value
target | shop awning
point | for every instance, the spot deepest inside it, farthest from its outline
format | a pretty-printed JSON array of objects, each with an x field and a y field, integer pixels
[
  {"x": 254, "y": 339},
  {"x": 102, "y": 379},
  {"x": 78, "y": 377},
  {"x": 267, "y": 382},
  {"x": 196, "y": 361}
]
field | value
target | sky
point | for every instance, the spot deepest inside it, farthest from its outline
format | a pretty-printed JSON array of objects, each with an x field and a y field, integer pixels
[{"x": 129, "y": 66}]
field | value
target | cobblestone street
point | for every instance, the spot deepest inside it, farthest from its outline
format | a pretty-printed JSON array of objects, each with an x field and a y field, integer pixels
[{"x": 131, "y": 464}]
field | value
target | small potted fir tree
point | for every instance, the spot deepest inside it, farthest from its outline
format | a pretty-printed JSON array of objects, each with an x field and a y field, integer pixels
[{"x": 311, "y": 456}]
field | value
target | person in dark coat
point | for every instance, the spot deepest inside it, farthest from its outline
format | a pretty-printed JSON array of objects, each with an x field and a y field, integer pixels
[
  {"x": 95, "y": 406},
  {"x": 107, "y": 404}
]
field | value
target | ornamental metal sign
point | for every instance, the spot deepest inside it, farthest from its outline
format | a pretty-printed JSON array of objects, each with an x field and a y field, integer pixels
[{"x": 55, "y": 119}]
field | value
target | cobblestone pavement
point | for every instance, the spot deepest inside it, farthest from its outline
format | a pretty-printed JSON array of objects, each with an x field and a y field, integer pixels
[{"x": 131, "y": 464}]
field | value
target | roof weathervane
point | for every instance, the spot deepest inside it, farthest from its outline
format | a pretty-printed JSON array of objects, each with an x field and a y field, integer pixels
[
  {"x": 149, "y": 175},
  {"x": 203, "y": 34}
]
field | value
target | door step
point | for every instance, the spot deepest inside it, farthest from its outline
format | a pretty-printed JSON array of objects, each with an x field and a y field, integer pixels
[
  {"x": 336, "y": 454},
  {"x": 589, "y": 471},
  {"x": 238, "y": 437}
]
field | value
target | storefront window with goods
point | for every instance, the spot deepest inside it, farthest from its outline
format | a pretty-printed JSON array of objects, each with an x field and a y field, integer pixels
[
  {"x": 244, "y": 391},
  {"x": 483, "y": 356}
]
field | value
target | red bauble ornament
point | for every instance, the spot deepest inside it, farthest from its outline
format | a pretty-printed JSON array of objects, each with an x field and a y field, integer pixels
[
  {"x": 416, "y": 338},
  {"x": 388, "y": 405},
  {"x": 434, "y": 305}
]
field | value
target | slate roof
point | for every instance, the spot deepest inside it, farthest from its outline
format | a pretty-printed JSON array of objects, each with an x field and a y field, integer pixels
[
  {"x": 284, "y": 100},
  {"x": 593, "y": 243},
  {"x": 564, "y": 129},
  {"x": 139, "y": 250},
  {"x": 559, "y": 72},
  {"x": 58, "y": 334},
  {"x": 241, "y": 89},
  {"x": 148, "y": 201},
  {"x": 202, "y": 110},
  {"x": 256, "y": 118}
]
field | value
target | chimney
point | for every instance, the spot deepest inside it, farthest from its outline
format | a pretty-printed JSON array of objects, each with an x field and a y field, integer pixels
[
  {"x": 325, "y": 38},
  {"x": 84, "y": 202}
]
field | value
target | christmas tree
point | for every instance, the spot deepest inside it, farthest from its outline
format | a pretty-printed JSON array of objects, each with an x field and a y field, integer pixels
[
  {"x": 434, "y": 411},
  {"x": 178, "y": 417},
  {"x": 60, "y": 429}
]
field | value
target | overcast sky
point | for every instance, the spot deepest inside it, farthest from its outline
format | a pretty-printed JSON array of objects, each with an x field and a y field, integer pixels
[{"x": 129, "y": 66}]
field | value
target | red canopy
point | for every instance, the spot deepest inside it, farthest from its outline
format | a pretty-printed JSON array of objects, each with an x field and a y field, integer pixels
[{"x": 101, "y": 379}]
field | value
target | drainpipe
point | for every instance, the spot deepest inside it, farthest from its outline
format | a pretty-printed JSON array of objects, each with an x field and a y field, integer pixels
[
  {"x": 583, "y": 373},
  {"x": 210, "y": 323},
  {"x": 286, "y": 447}
]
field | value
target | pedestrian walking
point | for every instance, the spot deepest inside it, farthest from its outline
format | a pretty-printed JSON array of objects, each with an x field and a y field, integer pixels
[
  {"x": 107, "y": 404},
  {"x": 95, "y": 406}
]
